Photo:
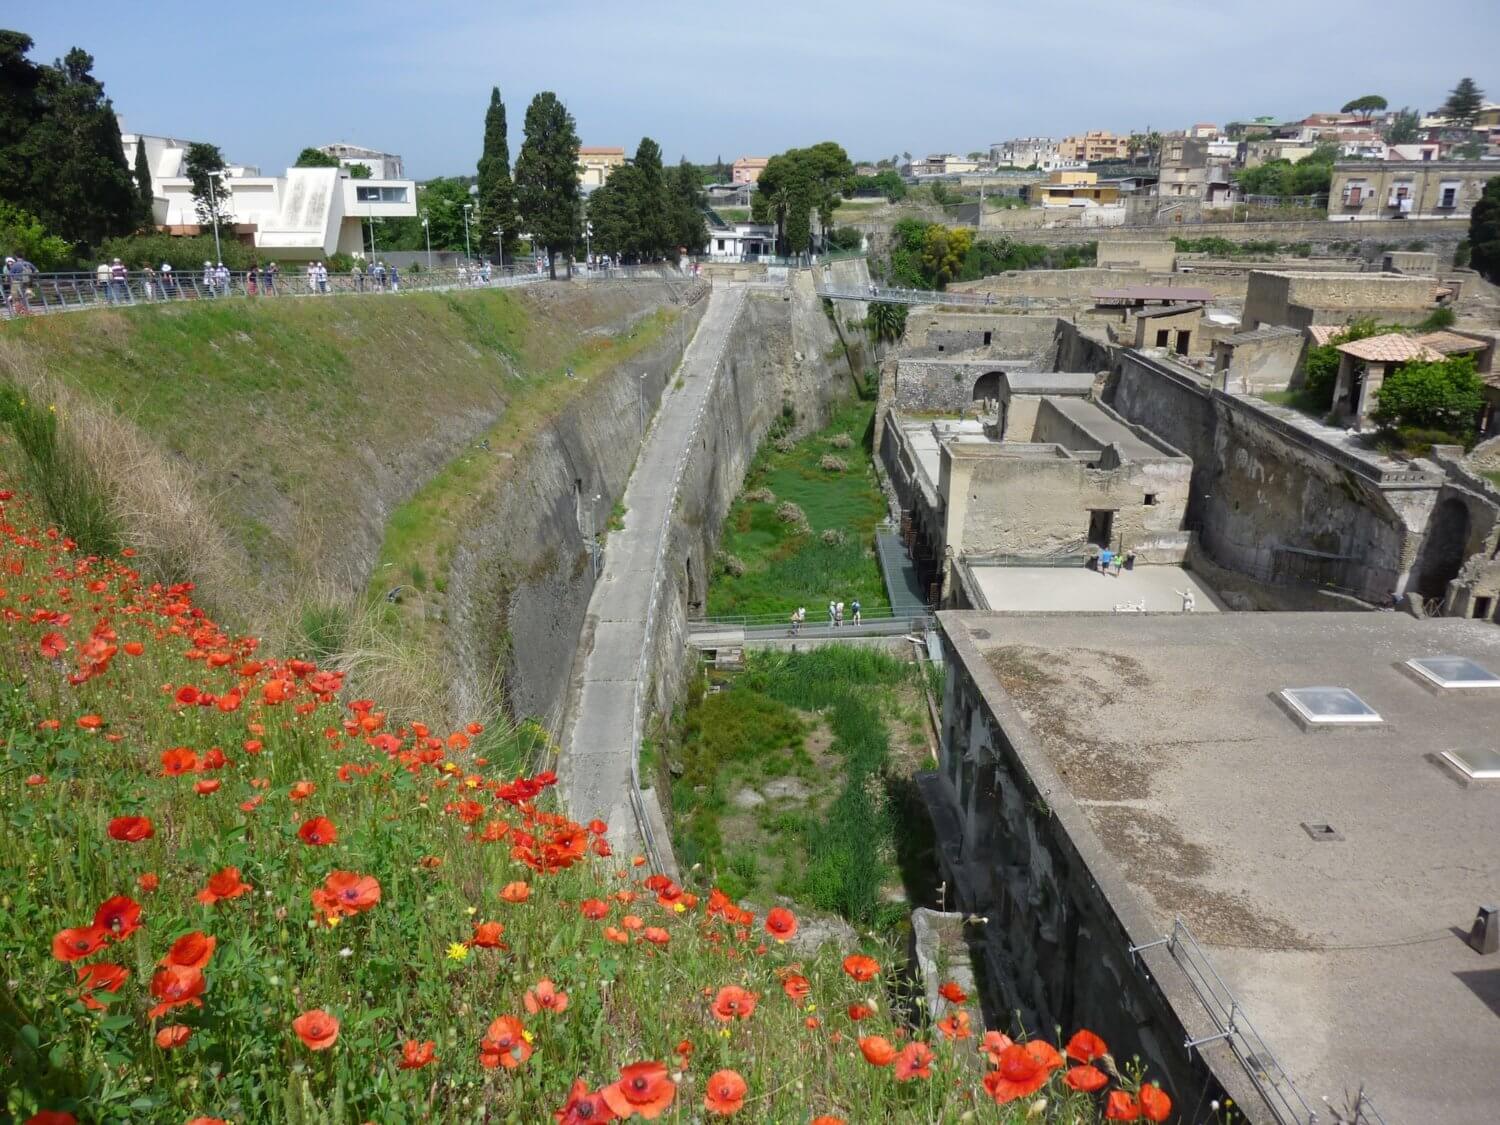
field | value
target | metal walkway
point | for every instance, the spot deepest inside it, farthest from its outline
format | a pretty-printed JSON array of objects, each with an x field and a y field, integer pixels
[
  {"x": 902, "y": 585},
  {"x": 876, "y": 294}
]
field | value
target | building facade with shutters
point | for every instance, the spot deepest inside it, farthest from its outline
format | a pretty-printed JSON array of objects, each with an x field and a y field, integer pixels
[{"x": 1408, "y": 189}]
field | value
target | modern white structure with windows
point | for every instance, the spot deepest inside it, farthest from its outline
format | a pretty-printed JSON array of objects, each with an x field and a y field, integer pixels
[
  {"x": 742, "y": 242},
  {"x": 382, "y": 165},
  {"x": 307, "y": 213}
]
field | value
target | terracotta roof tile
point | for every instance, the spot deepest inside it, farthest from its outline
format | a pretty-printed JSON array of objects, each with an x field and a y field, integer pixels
[
  {"x": 1320, "y": 334},
  {"x": 1451, "y": 343},
  {"x": 1393, "y": 347}
]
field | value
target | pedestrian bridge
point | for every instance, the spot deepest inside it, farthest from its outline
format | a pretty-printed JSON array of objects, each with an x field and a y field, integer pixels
[{"x": 882, "y": 295}]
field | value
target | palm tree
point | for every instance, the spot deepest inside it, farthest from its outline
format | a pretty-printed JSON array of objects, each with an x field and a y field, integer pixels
[{"x": 886, "y": 322}]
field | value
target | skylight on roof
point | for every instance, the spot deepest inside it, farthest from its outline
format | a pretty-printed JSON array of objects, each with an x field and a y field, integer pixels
[
  {"x": 1454, "y": 672},
  {"x": 1329, "y": 705},
  {"x": 1481, "y": 764}
]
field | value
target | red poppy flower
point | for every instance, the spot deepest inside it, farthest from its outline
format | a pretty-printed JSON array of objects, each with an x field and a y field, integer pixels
[
  {"x": 914, "y": 1061},
  {"x": 148, "y": 882},
  {"x": 781, "y": 924},
  {"x": 173, "y": 1035},
  {"x": 951, "y": 992},
  {"x": 90, "y": 722},
  {"x": 593, "y": 908},
  {"x": 859, "y": 1012},
  {"x": 644, "y": 1088},
  {"x": 317, "y": 1029},
  {"x": 1121, "y": 1106},
  {"x": 133, "y": 648},
  {"x": 131, "y": 829},
  {"x": 1155, "y": 1104},
  {"x": 193, "y": 950},
  {"x": 504, "y": 1044},
  {"x": 993, "y": 1043},
  {"x": 517, "y": 892},
  {"x": 545, "y": 997},
  {"x": 487, "y": 935},
  {"x": 733, "y": 1003},
  {"x": 618, "y": 936},
  {"x": 52, "y": 1117},
  {"x": 877, "y": 1050},
  {"x": 1086, "y": 1078},
  {"x": 1085, "y": 1047},
  {"x": 319, "y": 832},
  {"x": 656, "y": 935},
  {"x": 302, "y": 790},
  {"x": 955, "y": 1025},
  {"x": 1023, "y": 1069},
  {"x": 53, "y": 645},
  {"x": 827, "y": 1120},
  {"x": 178, "y": 761},
  {"x": 725, "y": 1093},
  {"x": 75, "y": 944},
  {"x": 797, "y": 987},
  {"x": 583, "y": 1107},
  {"x": 223, "y": 884},
  {"x": 175, "y": 986},
  {"x": 100, "y": 978},
  {"x": 414, "y": 1055},
  {"x": 860, "y": 967},
  {"x": 345, "y": 892},
  {"x": 207, "y": 785},
  {"x": 120, "y": 915}
]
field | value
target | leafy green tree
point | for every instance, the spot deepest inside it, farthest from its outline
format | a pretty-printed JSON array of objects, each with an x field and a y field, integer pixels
[
  {"x": 1312, "y": 175},
  {"x": 651, "y": 201},
  {"x": 795, "y": 186},
  {"x": 60, "y": 152},
  {"x": 315, "y": 158},
  {"x": 143, "y": 185},
  {"x": 22, "y": 235},
  {"x": 1484, "y": 233},
  {"x": 612, "y": 215},
  {"x": 442, "y": 199},
  {"x": 186, "y": 254},
  {"x": 943, "y": 252},
  {"x": 1463, "y": 104},
  {"x": 1404, "y": 127},
  {"x": 497, "y": 191},
  {"x": 1365, "y": 104},
  {"x": 886, "y": 322},
  {"x": 686, "y": 200},
  {"x": 1444, "y": 395},
  {"x": 547, "y": 177},
  {"x": 360, "y": 172},
  {"x": 210, "y": 200},
  {"x": 1320, "y": 368},
  {"x": 906, "y": 254}
]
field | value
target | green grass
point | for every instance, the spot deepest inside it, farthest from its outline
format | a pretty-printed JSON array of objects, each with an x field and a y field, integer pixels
[
  {"x": 733, "y": 214},
  {"x": 1493, "y": 476},
  {"x": 1302, "y": 401},
  {"x": 833, "y": 848},
  {"x": 785, "y": 568}
]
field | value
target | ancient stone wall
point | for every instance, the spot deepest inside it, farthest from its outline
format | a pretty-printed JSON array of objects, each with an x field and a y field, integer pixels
[
  {"x": 1271, "y": 296},
  {"x": 1154, "y": 254}
]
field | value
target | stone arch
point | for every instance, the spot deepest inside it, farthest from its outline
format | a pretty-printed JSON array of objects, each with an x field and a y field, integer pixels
[
  {"x": 987, "y": 386},
  {"x": 1444, "y": 548}
]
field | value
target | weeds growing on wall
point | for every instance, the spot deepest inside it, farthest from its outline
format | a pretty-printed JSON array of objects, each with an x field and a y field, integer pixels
[{"x": 66, "y": 484}]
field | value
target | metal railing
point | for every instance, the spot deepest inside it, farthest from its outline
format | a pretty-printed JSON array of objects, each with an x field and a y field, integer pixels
[
  {"x": 1233, "y": 1027},
  {"x": 819, "y": 620},
  {"x": 638, "y": 706},
  {"x": 878, "y": 294},
  {"x": 43, "y": 293}
]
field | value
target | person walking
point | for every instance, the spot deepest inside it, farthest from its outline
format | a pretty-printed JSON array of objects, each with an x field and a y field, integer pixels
[
  {"x": 795, "y": 623},
  {"x": 1106, "y": 556},
  {"x": 833, "y": 614},
  {"x": 395, "y": 280},
  {"x": 252, "y": 285},
  {"x": 272, "y": 273},
  {"x": 148, "y": 283},
  {"x": 838, "y": 616},
  {"x": 101, "y": 282},
  {"x": 855, "y": 607},
  {"x": 119, "y": 286},
  {"x": 1188, "y": 601},
  {"x": 17, "y": 272},
  {"x": 168, "y": 282},
  {"x": 357, "y": 272},
  {"x": 221, "y": 275}
]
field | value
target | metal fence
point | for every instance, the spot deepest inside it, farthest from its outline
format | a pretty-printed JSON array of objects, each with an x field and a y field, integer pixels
[
  {"x": 43, "y": 293},
  {"x": 1233, "y": 1027}
]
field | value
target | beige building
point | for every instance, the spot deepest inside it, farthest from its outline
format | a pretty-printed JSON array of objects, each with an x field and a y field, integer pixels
[
  {"x": 1408, "y": 189},
  {"x": 1303, "y": 299},
  {"x": 747, "y": 169},
  {"x": 596, "y": 163},
  {"x": 1064, "y": 188},
  {"x": 1098, "y": 144}
]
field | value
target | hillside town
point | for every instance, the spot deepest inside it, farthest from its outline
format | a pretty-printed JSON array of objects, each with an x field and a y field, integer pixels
[{"x": 573, "y": 634}]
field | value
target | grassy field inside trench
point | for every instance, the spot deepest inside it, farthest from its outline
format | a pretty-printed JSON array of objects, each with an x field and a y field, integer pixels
[
  {"x": 792, "y": 779},
  {"x": 769, "y": 565}
]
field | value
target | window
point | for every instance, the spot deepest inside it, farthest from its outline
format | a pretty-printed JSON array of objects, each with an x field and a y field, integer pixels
[
  {"x": 987, "y": 339},
  {"x": 721, "y": 246},
  {"x": 1448, "y": 195},
  {"x": 1163, "y": 337},
  {"x": 380, "y": 194},
  {"x": 1150, "y": 499}
]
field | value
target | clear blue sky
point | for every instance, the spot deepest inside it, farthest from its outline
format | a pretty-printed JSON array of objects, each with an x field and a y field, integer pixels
[{"x": 264, "y": 78}]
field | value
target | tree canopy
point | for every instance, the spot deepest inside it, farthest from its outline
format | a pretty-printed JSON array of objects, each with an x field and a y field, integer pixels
[
  {"x": 1464, "y": 103},
  {"x": 315, "y": 158},
  {"x": 798, "y": 184},
  {"x": 1484, "y": 233},
  {"x": 497, "y": 191},
  {"x": 643, "y": 213},
  {"x": 23, "y": 235},
  {"x": 547, "y": 177},
  {"x": 1404, "y": 127},
  {"x": 1311, "y": 175},
  {"x": 143, "y": 188},
  {"x": 1366, "y": 103},
  {"x": 60, "y": 152},
  {"x": 1444, "y": 395},
  {"x": 209, "y": 198}
]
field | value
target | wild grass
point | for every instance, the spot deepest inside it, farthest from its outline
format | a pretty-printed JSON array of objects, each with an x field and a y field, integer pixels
[
  {"x": 789, "y": 565},
  {"x": 125, "y": 700}
]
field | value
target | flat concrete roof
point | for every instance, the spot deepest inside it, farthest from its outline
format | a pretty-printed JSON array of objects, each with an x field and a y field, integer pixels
[
  {"x": 1076, "y": 589},
  {"x": 1050, "y": 382},
  {"x": 1091, "y": 418},
  {"x": 926, "y": 446},
  {"x": 1161, "y": 747}
]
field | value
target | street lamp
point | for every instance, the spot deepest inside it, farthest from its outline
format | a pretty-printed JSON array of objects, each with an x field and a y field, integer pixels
[
  {"x": 641, "y": 399},
  {"x": 213, "y": 206},
  {"x": 427, "y": 231},
  {"x": 588, "y": 241},
  {"x": 468, "y": 252}
]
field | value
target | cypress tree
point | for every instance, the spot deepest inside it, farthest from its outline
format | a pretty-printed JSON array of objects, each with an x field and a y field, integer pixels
[
  {"x": 497, "y": 192},
  {"x": 651, "y": 204},
  {"x": 143, "y": 185},
  {"x": 547, "y": 177}
]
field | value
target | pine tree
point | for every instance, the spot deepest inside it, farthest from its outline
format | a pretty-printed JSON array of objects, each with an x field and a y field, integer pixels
[
  {"x": 547, "y": 178},
  {"x": 143, "y": 185},
  {"x": 1484, "y": 233},
  {"x": 1463, "y": 104},
  {"x": 651, "y": 205},
  {"x": 686, "y": 201},
  {"x": 497, "y": 192}
]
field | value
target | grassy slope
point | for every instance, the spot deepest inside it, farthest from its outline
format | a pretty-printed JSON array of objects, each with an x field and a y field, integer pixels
[
  {"x": 303, "y": 421},
  {"x": 785, "y": 569},
  {"x": 413, "y": 815}
]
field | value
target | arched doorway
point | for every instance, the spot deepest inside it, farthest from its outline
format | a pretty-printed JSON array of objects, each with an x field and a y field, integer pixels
[
  {"x": 987, "y": 386},
  {"x": 1444, "y": 548}
]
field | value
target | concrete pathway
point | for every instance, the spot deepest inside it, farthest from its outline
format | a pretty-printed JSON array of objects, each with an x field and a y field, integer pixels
[{"x": 602, "y": 737}]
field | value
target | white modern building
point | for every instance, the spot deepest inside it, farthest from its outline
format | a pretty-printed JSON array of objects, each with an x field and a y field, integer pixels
[
  {"x": 307, "y": 213},
  {"x": 1024, "y": 152},
  {"x": 382, "y": 165},
  {"x": 742, "y": 242}
]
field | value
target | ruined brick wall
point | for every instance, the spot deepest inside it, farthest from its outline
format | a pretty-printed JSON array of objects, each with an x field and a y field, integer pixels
[{"x": 1288, "y": 298}]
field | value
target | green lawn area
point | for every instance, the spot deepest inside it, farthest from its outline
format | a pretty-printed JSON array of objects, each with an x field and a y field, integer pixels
[
  {"x": 1493, "y": 477},
  {"x": 1298, "y": 400},
  {"x": 793, "y": 780},
  {"x": 733, "y": 214},
  {"x": 784, "y": 566}
]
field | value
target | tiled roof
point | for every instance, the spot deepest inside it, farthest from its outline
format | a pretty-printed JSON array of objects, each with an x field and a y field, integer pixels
[
  {"x": 1322, "y": 333},
  {"x": 1451, "y": 343},
  {"x": 1264, "y": 332},
  {"x": 1167, "y": 310},
  {"x": 1393, "y": 347}
]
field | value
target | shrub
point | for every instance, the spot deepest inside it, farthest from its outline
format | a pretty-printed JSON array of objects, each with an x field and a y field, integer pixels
[
  {"x": 23, "y": 236},
  {"x": 785, "y": 443},
  {"x": 1443, "y": 317},
  {"x": 1444, "y": 395},
  {"x": 833, "y": 537},
  {"x": 140, "y": 250},
  {"x": 732, "y": 565},
  {"x": 831, "y": 464},
  {"x": 789, "y": 513},
  {"x": 841, "y": 441},
  {"x": 760, "y": 496}
]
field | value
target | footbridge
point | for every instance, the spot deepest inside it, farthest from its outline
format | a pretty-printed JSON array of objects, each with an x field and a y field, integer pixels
[{"x": 884, "y": 295}]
